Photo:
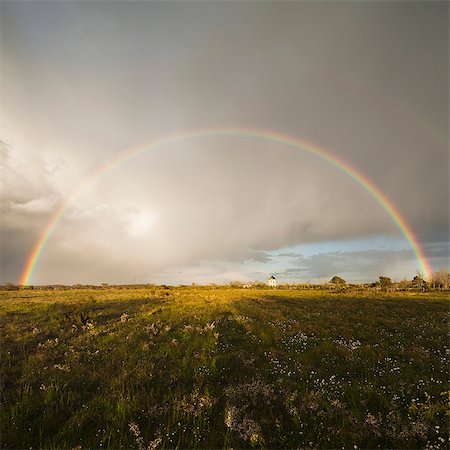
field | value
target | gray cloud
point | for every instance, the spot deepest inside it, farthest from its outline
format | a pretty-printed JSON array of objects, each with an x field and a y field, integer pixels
[
  {"x": 289, "y": 255},
  {"x": 37, "y": 205},
  {"x": 370, "y": 261},
  {"x": 82, "y": 81},
  {"x": 438, "y": 249},
  {"x": 355, "y": 266}
]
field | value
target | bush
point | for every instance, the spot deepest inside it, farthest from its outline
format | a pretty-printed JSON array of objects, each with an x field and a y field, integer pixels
[
  {"x": 337, "y": 281},
  {"x": 385, "y": 283}
]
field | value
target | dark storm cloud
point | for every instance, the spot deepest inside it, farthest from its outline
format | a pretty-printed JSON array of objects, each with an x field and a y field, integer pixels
[
  {"x": 438, "y": 250},
  {"x": 84, "y": 80},
  {"x": 14, "y": 248}
]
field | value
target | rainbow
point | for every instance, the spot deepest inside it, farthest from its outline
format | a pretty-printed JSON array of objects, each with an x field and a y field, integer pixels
[{"x": 300, "y": 144}]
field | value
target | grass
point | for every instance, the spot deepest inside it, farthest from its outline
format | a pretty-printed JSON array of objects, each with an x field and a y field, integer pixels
[{"x": 198, "y": 367}]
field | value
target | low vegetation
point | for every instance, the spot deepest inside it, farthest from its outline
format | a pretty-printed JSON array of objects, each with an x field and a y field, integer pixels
[{"x": 211, "y": 367}]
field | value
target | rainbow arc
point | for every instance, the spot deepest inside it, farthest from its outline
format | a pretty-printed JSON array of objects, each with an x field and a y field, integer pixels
[{"x": 294, "y": 142}]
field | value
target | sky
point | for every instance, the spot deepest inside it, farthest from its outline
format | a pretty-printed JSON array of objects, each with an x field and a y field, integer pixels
[{"x": 82, "y": 82}]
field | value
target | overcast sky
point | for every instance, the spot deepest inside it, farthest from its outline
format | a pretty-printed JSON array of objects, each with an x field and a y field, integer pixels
[{"x": 83, "y": 81}]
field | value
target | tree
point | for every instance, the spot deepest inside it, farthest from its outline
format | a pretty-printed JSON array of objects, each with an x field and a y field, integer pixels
[
  {"x": 11, "y": 286},
  {"x": 404, "y": 284},
  {"x": 441, "y": 279},
  {"x": 385, "y": 283},
  {"x": 417, "y": 281},
  {"x": 337, "y": 281}
]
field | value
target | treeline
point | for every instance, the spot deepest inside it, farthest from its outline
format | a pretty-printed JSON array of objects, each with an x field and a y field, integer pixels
[{"x": 439, "y": 280}]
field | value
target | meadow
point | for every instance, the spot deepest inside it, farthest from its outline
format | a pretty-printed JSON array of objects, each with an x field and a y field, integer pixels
[{"x": 220, "y": 367}]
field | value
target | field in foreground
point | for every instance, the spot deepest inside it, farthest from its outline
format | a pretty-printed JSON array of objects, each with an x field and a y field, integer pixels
[{"x": 221, "y": 367}]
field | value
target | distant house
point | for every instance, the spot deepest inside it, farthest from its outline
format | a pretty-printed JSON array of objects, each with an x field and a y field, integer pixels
[{"x": 272, "y": 282}]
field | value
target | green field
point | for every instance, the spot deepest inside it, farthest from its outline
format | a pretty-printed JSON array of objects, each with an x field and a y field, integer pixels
[{"x": 197, "y": 367}]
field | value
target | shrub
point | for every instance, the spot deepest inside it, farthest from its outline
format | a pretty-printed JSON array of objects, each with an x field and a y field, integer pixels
[
  {"x": 385, "y": 283},
  {"x": 337, "y": 281}
]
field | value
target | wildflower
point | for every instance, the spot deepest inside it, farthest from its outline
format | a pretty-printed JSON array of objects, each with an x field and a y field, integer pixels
[
  {"x": 196, "y": 403},
  {"x": 154, "y": 328},
  {"x": 337, "y": 404},
  {"x": 349, "y": 345},
  {"x": 134, "y": 428},
  {"x": 248, "y": 429},
  {"x": 153, "y": 444},
  {"x": 254, "y": 438},
  {"x": 372, "y": 420},
  {"x": 230, "y": 414}
]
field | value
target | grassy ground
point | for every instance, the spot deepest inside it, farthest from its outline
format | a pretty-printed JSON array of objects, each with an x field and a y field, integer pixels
[{"x": 221, "y": 367}]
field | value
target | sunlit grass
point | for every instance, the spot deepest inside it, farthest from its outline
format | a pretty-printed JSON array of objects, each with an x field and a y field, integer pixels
[{"x": 219, "y": 367}]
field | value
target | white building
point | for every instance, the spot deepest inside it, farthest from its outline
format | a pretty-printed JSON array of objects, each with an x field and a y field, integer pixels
[{"x": 272, "y": 282}]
